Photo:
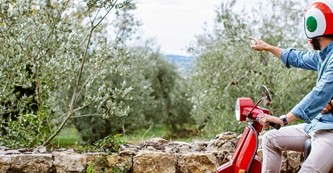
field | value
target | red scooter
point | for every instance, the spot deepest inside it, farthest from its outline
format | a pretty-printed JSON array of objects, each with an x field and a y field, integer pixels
[{"x": 245, "y": 158}]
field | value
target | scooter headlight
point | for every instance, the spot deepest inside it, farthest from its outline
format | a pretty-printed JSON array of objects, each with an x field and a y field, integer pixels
[{"x": 243, "y": 106}]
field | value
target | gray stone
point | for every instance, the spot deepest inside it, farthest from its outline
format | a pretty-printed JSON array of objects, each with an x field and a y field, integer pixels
[
  {"x": 40, "y": 149},
  {"x": 197, "y": 163},
  {"x": 31, "y": 163},
  {"x": 5, "y": 161},
  {"x": 154, "y": 156},
  {"x": 154, "y": 162},
  {"x": 68, "y": 161}
]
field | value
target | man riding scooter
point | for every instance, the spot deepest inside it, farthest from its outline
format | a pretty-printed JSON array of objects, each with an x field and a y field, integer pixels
[{"x": 318, "y": 26}]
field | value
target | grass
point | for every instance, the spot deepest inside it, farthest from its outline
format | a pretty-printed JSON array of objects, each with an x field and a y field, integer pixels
[
  {"x": 152, "y": 132},
  {"x": 144, "y": 134},
  {"x": 69, "y": 137}
]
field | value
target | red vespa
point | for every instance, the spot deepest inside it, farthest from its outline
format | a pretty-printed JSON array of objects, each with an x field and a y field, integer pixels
[{"x": 245, "y": 158}]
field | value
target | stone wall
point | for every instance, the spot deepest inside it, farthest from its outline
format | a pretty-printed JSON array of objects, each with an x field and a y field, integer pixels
[{"x": 154, "y": 156}]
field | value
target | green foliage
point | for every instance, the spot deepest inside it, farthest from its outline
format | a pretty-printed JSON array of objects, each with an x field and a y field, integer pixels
[
  {"x": 64, "y": 62},
  {"x": 28, "y": 130},
  {"x": 101, "y": 165},
  {"x": 108, "y": 144},
  {"x": 227, "y": 68},
  {"x": 158, "y": 95},
  {"x": 70, "y": 68},
  {"x": 134, "y": 87}
]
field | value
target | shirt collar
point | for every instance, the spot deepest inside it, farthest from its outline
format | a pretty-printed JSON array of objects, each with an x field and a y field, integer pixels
[{"x": 326, "y": 51}]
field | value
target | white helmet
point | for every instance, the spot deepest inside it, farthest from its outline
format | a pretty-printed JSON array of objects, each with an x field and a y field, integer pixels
[{"x": 318, "y": 20}]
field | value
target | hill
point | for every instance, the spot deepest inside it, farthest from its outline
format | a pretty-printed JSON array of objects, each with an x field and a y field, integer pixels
[{"x": 183, "y": 63}]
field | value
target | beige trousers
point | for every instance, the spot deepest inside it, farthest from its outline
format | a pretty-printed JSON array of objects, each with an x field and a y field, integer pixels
[{"x": 293, "y": 137}]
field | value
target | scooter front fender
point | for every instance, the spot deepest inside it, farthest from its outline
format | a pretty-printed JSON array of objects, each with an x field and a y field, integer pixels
[
  {"x": 229, "y": 167},
  {"x": 244, "y": 157}
]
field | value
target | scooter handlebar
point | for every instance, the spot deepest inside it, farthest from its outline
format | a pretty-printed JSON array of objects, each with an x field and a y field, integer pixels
[{"x": 275, "y": 126}]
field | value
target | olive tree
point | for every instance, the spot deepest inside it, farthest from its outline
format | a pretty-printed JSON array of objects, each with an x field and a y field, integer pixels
[
  {"x": 227, "y": 68},
  {"x": 54, "y": 63}
]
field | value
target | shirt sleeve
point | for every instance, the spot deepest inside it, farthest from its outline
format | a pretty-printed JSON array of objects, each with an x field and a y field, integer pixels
[
  {"x": 300, "y": 59},
  {"x": 320, "y": 95}
]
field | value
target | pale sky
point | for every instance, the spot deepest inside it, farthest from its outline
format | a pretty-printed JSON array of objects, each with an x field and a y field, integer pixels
[{"x": 174, "y": 23}]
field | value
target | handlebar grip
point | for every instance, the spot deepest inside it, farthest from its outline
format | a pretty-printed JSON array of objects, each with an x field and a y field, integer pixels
[{"x": 275, "y": 126}]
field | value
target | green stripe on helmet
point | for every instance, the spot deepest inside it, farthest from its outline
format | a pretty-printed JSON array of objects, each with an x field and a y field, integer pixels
[{"x": 311, "y": 24}]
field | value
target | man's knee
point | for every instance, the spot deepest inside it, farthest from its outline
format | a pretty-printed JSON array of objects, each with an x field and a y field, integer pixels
[{"x": 268, "y": 137}]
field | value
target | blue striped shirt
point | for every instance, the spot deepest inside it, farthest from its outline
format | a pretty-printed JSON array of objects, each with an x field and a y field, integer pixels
[{"x": 309, "y": 108}]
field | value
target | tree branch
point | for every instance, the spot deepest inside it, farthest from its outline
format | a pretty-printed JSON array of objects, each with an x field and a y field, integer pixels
[
  {"x": 87, "y": 115},
  {"x": 72, "y": 110}
]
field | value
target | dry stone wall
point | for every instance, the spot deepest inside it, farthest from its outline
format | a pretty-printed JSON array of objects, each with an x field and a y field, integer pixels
[{"x": 154, "y": 156}]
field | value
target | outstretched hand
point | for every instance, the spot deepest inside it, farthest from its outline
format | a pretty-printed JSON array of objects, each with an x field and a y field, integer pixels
[{"x": 258, "y": 44}]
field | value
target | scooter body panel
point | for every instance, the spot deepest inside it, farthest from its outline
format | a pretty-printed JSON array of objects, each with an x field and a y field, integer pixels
[
  {"x": 244, "y": 156},
  {"x": 248, "y": 151},
  {"x": 256, "y": 165},
  {"x": 229, "y": 167}
]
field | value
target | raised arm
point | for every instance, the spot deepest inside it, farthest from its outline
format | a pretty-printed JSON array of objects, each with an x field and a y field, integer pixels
[{"x": 260, "y": 45}]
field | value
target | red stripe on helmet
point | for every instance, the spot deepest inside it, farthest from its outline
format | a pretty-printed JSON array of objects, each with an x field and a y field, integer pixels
[{"x": 328, "y": 16}]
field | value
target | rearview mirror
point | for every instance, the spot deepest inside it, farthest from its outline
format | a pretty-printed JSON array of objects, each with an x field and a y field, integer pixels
[{"x": 266, "y": 96}]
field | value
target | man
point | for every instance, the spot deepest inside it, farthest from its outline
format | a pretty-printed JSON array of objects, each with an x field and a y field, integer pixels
[{"x": 312, "y": 109}]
